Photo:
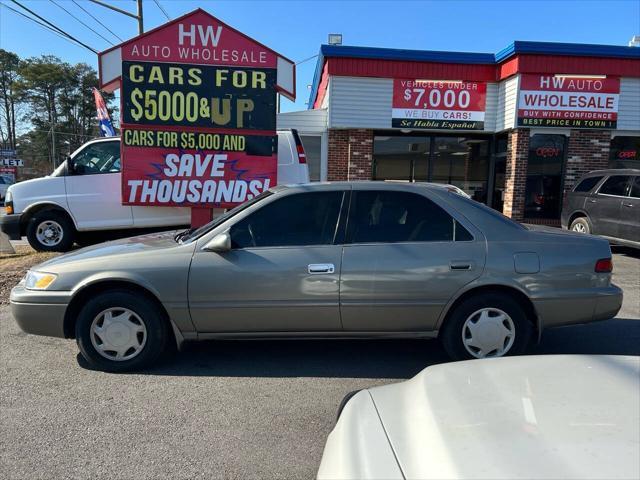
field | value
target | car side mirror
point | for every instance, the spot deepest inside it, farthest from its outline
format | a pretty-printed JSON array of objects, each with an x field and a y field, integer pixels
[{"x": 220, "y": 243}]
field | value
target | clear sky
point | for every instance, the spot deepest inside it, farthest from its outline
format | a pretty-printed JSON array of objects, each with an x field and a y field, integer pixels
[{"x": 297, "y": 28}]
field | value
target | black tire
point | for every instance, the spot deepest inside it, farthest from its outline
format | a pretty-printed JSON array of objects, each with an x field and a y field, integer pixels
[
  {"x": 451, "y": 332},
  {"x": 149, "y": 313},
  {"x": 67, "y": 235},
  {"x": 580, "y": 222}
]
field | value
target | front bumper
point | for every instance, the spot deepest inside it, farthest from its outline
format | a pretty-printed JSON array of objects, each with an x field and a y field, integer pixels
[
  {"x": 581, "y": 307},
  {"x": 40, "y": 312},
  {"x": 10, "y": 225}
]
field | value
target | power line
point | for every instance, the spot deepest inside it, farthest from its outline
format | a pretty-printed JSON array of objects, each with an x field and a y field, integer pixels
[
  {"x": 43, "y": 25},
  {"x": 306, "y": 60},
  {"x": 97, "y": 20},
  {"x": 157, "y": 2},
  {"x": 81, "y": 22},
  {"x": 54, "y": 26}
]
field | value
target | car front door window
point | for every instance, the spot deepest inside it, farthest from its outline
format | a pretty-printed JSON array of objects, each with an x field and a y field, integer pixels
[
  {"x": 97, "y": 158},
  {"x": 295, "y": 220},
  {"x": 615, "y": 185}
]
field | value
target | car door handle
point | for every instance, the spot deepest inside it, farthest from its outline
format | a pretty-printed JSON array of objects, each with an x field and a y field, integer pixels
[
  {"x": 320, "y": 268},
  {"x": 461, "y": 265},
  {"x": 591, "y": 200},
  {"x": 625, "y": 204}
]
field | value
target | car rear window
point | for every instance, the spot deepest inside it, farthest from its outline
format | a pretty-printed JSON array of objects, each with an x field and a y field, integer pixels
[
  {"x": 615, "y": 185},
  {"x": 587, "y": 184}
]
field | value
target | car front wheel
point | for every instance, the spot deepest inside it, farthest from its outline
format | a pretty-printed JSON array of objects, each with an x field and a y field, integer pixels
[
  {"x": 120, "y": 331},
  {"x": 487, "y": 325},
  {"x": 50, "y": 231}
]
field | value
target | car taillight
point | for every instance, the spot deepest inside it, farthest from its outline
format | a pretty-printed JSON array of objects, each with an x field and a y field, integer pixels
[
  {"x": 302, "y": 157},
  {"x": 604, "y": 265}
]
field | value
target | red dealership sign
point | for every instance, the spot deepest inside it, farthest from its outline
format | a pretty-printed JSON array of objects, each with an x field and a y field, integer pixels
[
  {"x": 565, "y": 101},
  {"x": 198, "y": 111},
  {"x": 438, "y": 104}
]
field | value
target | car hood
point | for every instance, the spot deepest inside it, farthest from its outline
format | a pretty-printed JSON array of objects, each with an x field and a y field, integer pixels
[
  {"x": 28, "y": 185},
  {"x": 135, "y": 246},
  {"x": 521, "y": 417}
]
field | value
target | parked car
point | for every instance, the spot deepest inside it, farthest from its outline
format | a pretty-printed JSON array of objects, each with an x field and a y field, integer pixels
[
  {"x": 5, "y": 182},
  {"x": 84, "y": 195},
  {"x": 530, "y": 417},
  {"x": 360, "y": 259},
  {"x": 606, "y": 203}
]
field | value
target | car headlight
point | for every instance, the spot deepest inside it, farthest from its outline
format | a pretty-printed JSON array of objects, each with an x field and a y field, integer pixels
[{"x": 38, "y": 280}]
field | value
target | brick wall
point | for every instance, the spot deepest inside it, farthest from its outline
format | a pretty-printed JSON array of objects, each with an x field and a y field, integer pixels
[
  {"x": 587, "y": 150},
  {"x": 516, "y": 173},
  {"x": 350, "y": 155}
]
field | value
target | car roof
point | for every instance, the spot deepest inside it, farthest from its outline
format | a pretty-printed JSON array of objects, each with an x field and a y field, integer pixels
[
  {"x": 363, "y": 185},
  {"x": 613, "y": 171}
]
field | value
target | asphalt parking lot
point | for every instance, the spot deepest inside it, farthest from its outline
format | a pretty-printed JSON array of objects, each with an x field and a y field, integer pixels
[{"x": 234, "y": 409}]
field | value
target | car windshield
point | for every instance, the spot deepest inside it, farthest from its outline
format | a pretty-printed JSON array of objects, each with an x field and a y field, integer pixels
[{"x": 192, "y": 234}]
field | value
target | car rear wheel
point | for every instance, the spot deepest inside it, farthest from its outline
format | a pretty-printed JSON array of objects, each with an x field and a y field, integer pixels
[
  {"x": 50, "y": 231},
  {"x": 487, "y": 325},
  {"x": 580, "y": 225},
  {"x": 120, "y": 331}
]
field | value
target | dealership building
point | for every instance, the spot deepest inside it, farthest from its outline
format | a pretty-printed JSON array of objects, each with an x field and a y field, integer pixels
[{"x": 514, "y": 129}]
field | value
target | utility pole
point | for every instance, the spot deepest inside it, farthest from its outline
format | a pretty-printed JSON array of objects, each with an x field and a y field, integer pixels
[
  {"x": 140, "y": 23},
  {"x": 53, "y": 147},
  {"x": 138, "y": 16}
]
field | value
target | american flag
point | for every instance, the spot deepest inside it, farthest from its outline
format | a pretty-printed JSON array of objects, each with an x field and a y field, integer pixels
[{"x": 106, "y": 129}]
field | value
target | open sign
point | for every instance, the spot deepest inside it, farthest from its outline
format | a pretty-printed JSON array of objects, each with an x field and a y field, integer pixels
[
  {"x": 627, "y": 154},
  {"x": 546, "y": 152}
]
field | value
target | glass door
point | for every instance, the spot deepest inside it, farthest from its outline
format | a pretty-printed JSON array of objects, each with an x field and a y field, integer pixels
[{"x": 543, "y": 189}]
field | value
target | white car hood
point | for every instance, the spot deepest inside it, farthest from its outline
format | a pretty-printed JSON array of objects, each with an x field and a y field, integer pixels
[{"x": 524, "y": 417}]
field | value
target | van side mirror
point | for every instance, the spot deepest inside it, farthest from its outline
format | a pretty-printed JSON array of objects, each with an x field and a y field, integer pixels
[{"x": 220, "y": 243}]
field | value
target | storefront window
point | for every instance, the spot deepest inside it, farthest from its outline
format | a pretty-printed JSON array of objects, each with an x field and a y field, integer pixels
[
  {"x": 543, "y": 190},
  {"x": 459, "y": 161},
  {"x": 625, "y": 152},
  {"x": 463, "y": 162},
  {"x": 401, "y": 158}
]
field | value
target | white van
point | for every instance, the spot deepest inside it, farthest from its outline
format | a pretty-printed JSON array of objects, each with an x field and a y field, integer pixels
[{"x": 57, "y": 210}]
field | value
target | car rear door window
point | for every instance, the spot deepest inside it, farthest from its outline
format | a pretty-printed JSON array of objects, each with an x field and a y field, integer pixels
[
  {"x": 635, "y": 188},
  {"x": 294, "y": 220},
  {"x": 392, "y": 217},
  {"x": 587, "y": 184},
  {"x": 615, "y": 185}
]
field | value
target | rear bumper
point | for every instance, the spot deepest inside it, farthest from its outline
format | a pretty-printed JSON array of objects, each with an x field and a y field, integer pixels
[
  {"x": 583, "y": 307},
  {"x": 10, "y": 225},
  {"x": 39, "y": 313}
]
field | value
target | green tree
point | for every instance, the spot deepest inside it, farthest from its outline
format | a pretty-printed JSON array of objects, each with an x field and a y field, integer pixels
[
  {"x": 9, "y": 98},
  {"x": 42, "y": 80}
]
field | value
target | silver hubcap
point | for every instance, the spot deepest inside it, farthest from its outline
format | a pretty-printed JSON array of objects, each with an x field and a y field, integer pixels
[
  {"x": 488, "y": 332},
  {"x": 578, "y": 227},
  {"x": 49, "y": 233},
  {"x": 118, "y": 334}
]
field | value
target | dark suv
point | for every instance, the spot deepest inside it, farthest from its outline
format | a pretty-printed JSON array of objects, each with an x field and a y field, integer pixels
[{"x": 606, "y": 203}]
